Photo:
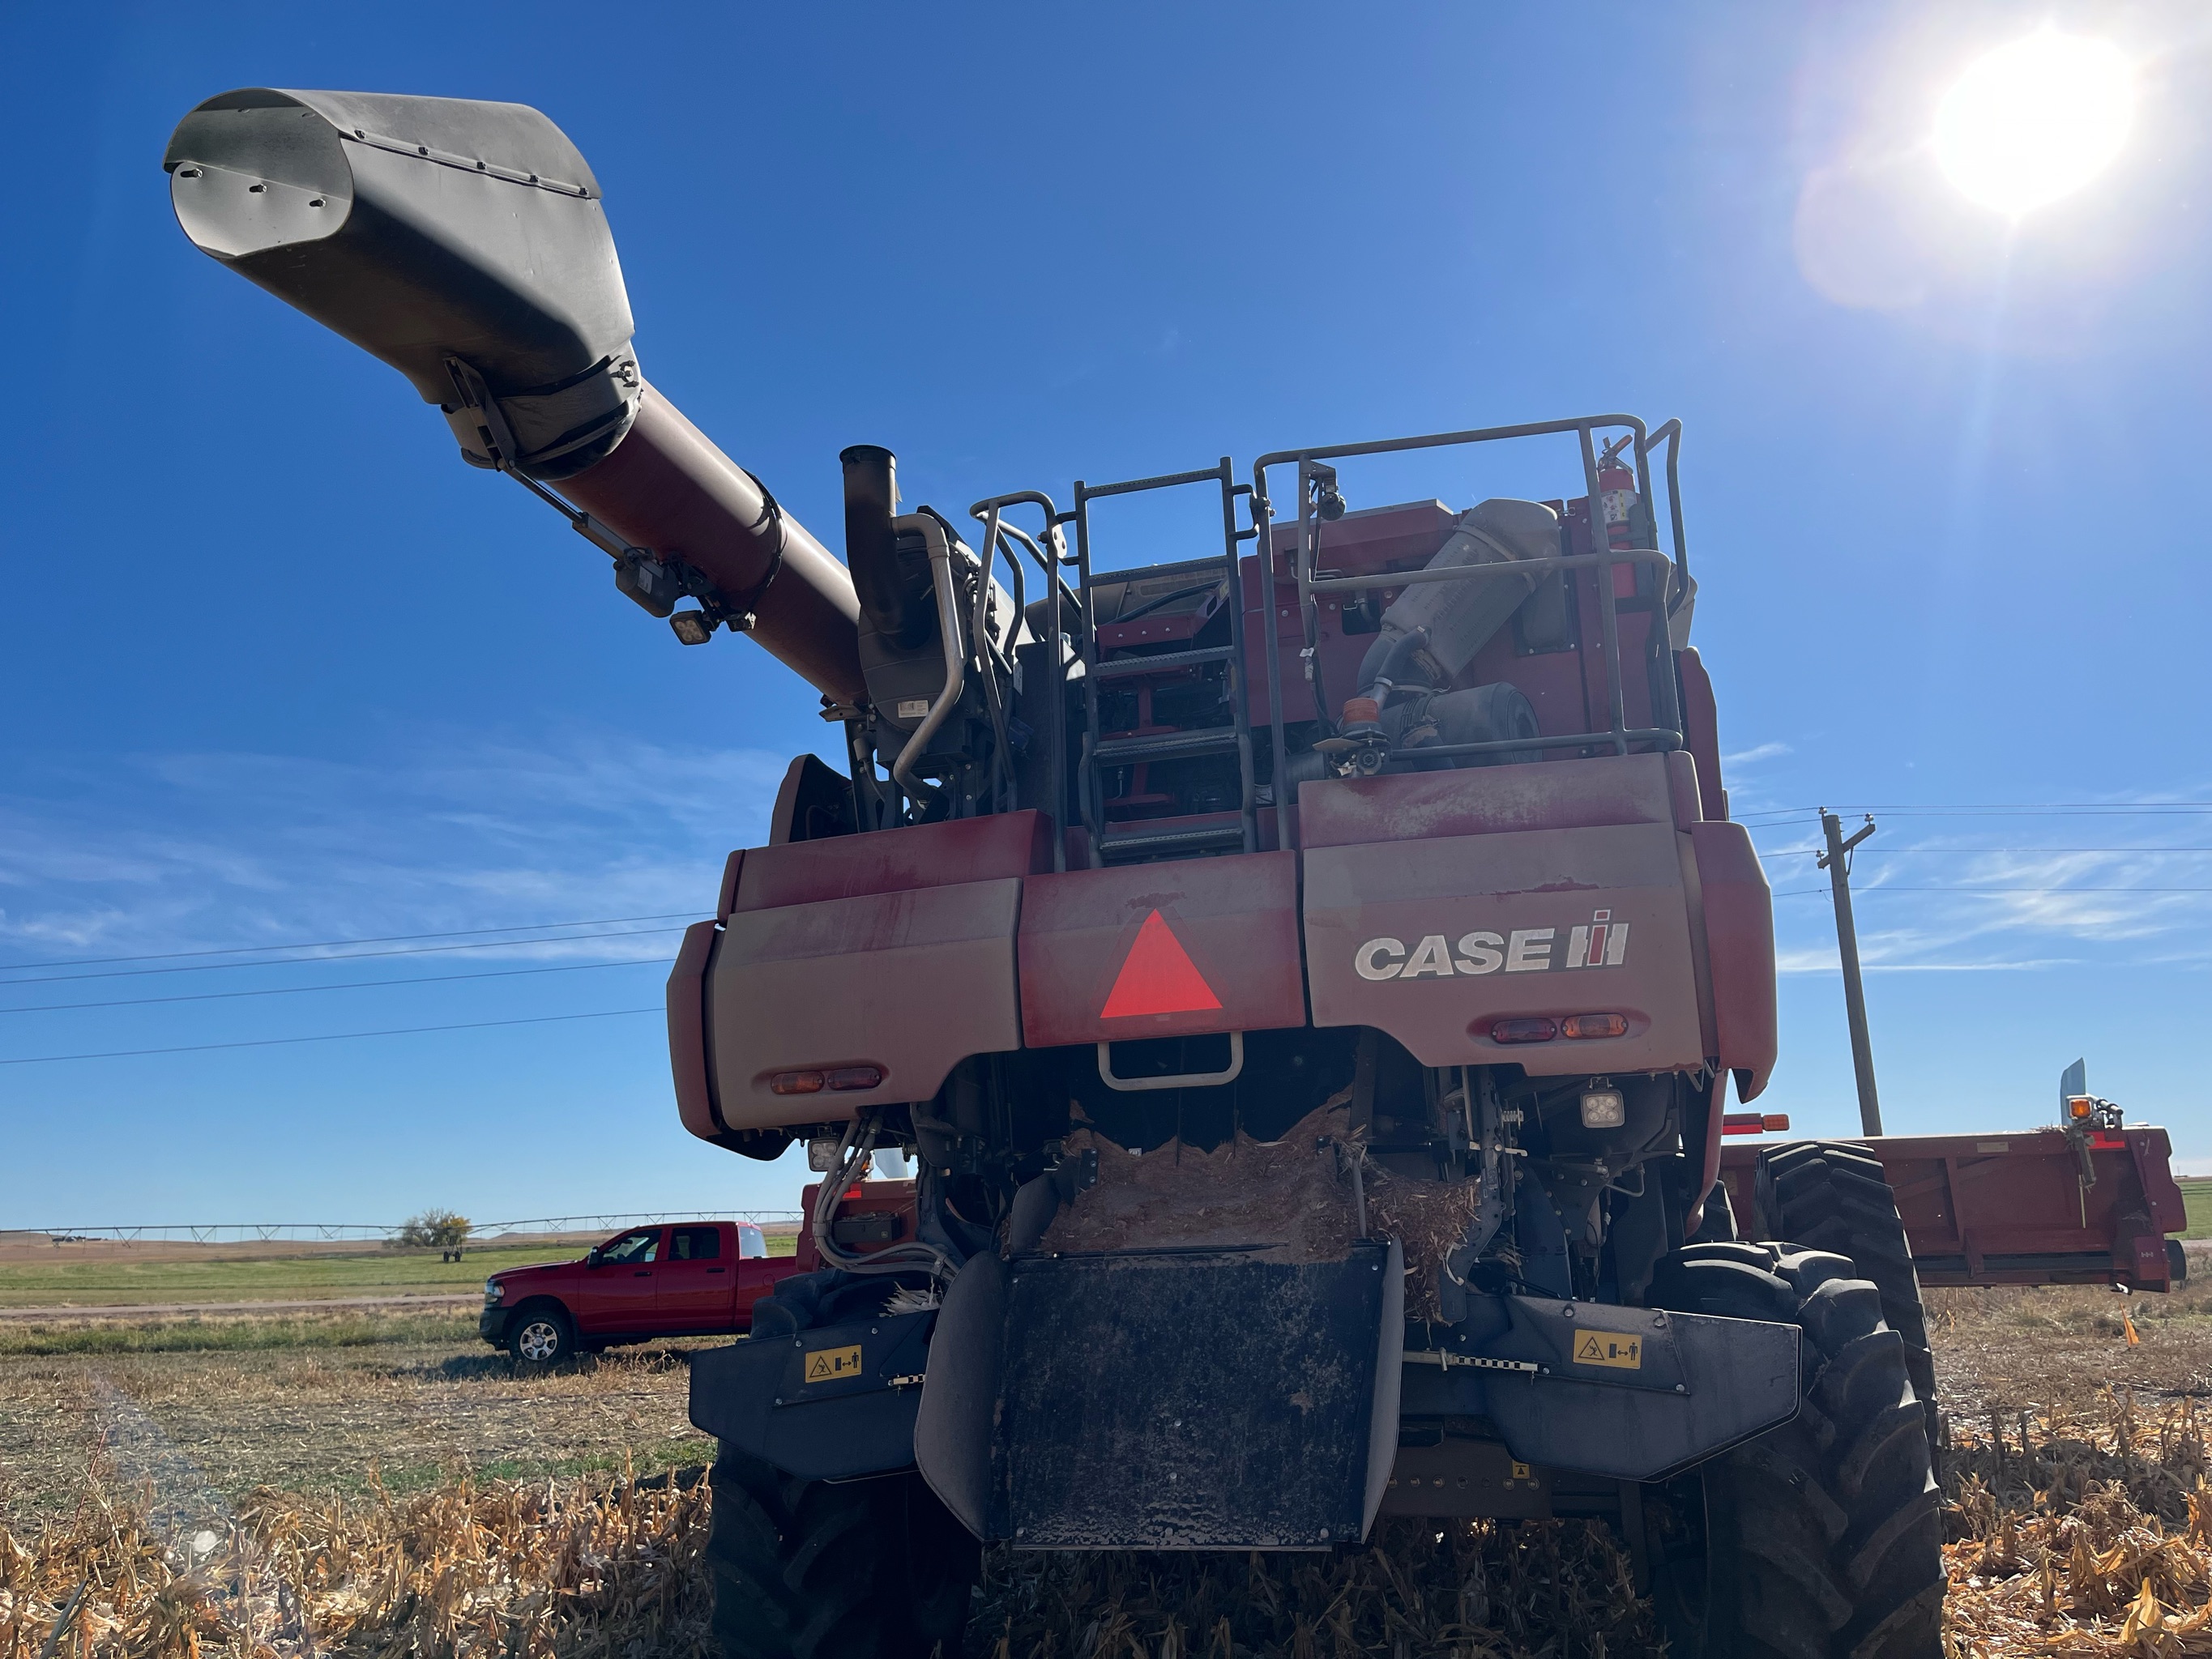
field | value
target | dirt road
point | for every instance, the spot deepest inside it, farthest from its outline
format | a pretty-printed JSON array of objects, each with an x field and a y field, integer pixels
[{"x": 196, "y": 1309}]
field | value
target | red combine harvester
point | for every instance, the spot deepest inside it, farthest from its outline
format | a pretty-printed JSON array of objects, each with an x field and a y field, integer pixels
[{"x": 1305, "y": 975}]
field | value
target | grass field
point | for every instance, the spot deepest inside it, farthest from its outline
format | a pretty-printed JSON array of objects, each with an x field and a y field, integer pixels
[
  {"x": 167, "y": 1275},
  {"x": 2197, "y": 1193}
]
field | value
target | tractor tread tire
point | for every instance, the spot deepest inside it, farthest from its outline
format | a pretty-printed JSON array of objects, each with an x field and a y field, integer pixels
[
  {"x": 1831, "y": 1196},
  {"x": 809, "y": 1570},
  {"x": 1823, "y": 1536}
]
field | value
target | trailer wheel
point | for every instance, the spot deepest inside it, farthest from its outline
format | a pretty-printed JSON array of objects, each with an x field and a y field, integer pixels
[
  {"x": 1832, "y": 1195},
  {"x": 1821, "y": 1539},
  {"x": 874, "y": 1569}
]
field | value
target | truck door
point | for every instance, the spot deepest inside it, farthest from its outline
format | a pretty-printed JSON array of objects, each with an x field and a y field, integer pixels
[
  {"x": 698, "y": 1282},
  {"x": 617, "y": 1298}
]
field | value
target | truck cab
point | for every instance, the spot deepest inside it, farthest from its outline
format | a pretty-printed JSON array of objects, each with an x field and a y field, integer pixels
[{"x": 680, "y": 1278}]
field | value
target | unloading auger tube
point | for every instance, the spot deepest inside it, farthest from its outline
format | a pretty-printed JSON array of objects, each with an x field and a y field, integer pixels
[{"x": 464, "y": 244}]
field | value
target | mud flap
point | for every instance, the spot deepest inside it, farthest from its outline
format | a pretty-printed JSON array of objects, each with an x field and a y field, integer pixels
[
  {"x": 832, "y": 1403},
  {"x": 1631, "y": 1393},
  {"x": 1166, "y": 1399}
]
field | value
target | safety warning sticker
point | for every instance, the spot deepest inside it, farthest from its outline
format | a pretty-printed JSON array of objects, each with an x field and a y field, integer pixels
[
  {"x": 829, "y": 1365},
  {"x": 1605, "y": 1348}
]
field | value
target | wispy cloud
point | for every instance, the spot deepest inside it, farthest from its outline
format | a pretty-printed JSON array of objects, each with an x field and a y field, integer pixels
[
  {"x": 1757, "y": 753},
  {"x": 232, "y": 849},
  {"x": 1958, "y": 903}
]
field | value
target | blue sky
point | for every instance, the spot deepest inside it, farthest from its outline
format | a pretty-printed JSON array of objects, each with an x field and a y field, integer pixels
[{"x": 280, "y": 671}]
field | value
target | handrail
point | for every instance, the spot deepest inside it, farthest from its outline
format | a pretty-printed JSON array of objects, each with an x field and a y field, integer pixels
[{"x": 1306, "y": 550}]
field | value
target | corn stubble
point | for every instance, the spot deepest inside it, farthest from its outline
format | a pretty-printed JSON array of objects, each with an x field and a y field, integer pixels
[
  {"x": 585, "y": 1567},
  {"x": 2077, "y": 1533}
]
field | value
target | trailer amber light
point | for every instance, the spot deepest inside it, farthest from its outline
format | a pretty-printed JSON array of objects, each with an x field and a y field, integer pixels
[
  {"x": 2079, "y": 1106},
  {"x": 1523, "y": 1030},
  {"x": 1775, "y": 1123},
  {"x": 795, "y": 1082},
  {"x": 854, "y": 1077},
  {"x": 1593, "y": 1025}
]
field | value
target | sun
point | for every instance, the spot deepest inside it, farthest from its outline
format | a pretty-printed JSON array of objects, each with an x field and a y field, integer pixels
[{"x": 2035, "y": 120}]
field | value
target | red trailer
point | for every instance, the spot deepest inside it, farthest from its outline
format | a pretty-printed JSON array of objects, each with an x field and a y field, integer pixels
[{"x": 2075, "y": 1206}]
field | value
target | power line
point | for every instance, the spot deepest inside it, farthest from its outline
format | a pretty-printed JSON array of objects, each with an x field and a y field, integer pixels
[
  {"x": 332, "y": 944},
  {"x": 347, "y": 955},
  {"x": 1891, "y": 887},
  {"x": 346, "y": 985},
  {"x": 2084, "y": 809},
  {"x": 1794, "y": 851},
  {"x": 333, "y": 1037}
]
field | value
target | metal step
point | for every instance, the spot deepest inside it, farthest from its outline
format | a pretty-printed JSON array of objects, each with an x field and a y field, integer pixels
[
  {"x": 1185, "y": 841},
  {"x": 1173, "y": 745},
  {"x": 1120, "y": 667}
]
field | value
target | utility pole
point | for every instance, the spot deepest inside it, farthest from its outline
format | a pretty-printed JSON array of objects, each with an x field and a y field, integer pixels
[{"x": 1838, "y": 863}]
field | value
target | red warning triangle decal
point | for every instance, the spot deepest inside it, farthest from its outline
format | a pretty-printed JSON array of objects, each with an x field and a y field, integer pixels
[{"x": 1158, "y": 977}]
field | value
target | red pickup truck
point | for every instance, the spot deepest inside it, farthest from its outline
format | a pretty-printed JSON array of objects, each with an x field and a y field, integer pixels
[
  {"x": 680, "y": 1278},
  {"x": 684, "y": 1279}
]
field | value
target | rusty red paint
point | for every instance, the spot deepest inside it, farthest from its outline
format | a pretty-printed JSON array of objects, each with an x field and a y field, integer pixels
[
  {"x": 1701, "y": 730},
  {"x": 687, "y": 1031},
  {"x": 1567, "y": 794},
  {"x": 1235, "y": 919},
  {"x": 1483, "y": 927},
  {"x": 1739, "y": 913},
  {"x": 2009, "y": 1208},
  {"x": 911, "y": 983},
  {"x": 1007, "y": 844}
]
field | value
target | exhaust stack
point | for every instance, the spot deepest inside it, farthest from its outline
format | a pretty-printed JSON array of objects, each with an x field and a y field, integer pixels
[
  {"x": 896, "y": 596},
  {"x": 463, "y": 243}
]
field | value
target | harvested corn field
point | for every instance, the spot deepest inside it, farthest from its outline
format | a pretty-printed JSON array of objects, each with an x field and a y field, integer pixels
[{"x": 2076, "y": 1511}]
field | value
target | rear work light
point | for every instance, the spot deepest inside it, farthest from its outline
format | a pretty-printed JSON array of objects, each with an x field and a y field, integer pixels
[
  {"x": 1604, "y": 1108},
  {"x": 1523, "y": 1030},
  {"x": 1753, "y": 1123},
  {"x": 1593, "y": 1025},
  {"x": 844, "y": 1079}
]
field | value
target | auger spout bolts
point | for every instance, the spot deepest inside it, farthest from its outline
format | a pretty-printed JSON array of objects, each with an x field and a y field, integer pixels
[{"x": 463, "y": 243}]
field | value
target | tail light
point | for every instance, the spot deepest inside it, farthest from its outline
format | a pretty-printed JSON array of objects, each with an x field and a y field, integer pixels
[
  {"x": 1593, "y": 1025},
  {"x": 844, "y": 1079},
  {"x": 1753, "y": 1123},
  {"x": 1523, "y": 1030}
]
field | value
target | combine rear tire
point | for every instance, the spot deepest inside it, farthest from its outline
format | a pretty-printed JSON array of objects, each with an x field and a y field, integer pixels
[
  {"x": 874, "y": 1569},
  {"x": 1832, "y": 1195},
  {"x": 1821, "y": 1539}
]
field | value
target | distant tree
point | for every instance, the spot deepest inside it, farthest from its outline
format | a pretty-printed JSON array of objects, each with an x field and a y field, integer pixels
[{"x": 435, "y": 1230}]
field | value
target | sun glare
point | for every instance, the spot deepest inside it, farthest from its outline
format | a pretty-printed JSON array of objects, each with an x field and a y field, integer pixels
[{"x": 2035, "y": 120}]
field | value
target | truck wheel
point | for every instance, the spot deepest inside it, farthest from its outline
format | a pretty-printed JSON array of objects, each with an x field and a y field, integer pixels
[
  {"x": 1821, "y": 1538},
  {"x": 541, "y": 1336},
  {"x": 1832, "y": 1195},
  {"x": 874, "y": 1569}
]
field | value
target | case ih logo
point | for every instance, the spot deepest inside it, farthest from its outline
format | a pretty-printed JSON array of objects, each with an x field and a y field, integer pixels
[{"x": 1602, "y": 943}]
